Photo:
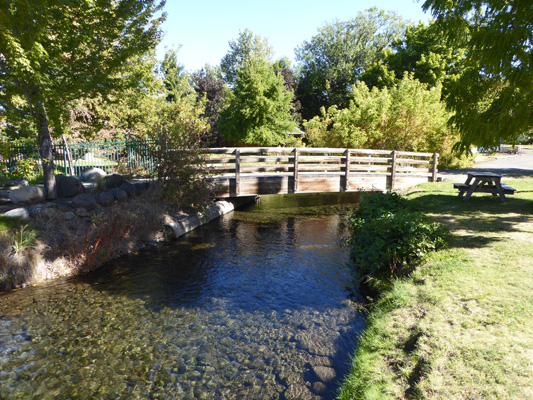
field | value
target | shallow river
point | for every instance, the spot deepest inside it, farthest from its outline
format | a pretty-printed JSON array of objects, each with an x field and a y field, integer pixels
[{"x": 254, "y": 305}]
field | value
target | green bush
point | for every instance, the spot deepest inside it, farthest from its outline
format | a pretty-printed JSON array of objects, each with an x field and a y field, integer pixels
[{"x": 389, "y": 239}]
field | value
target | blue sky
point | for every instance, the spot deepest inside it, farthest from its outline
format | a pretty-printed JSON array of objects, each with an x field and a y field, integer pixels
[{"x": 203, "y": 28}]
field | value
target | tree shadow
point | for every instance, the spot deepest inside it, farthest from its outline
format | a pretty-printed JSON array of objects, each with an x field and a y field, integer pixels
[{"x": 481, "y": 217}]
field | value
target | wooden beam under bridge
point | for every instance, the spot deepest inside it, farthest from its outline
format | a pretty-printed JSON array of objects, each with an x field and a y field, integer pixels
[{"x": 247, "y": 171}]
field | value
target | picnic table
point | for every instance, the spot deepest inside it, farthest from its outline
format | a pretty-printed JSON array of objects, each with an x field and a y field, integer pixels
[{"x": 484, "y": 182}]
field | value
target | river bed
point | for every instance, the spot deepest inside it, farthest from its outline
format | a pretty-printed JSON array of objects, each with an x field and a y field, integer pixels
[{"x": 254, "y": 305}]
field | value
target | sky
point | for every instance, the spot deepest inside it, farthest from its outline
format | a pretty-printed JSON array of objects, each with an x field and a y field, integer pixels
[{"x": 200, "y": 30}]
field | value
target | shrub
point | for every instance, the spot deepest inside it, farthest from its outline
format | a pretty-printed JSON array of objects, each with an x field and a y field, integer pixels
[{"x": 389, "y": 239}]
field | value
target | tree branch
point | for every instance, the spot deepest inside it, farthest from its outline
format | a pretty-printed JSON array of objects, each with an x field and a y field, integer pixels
[{"x": 16, "y": 109}]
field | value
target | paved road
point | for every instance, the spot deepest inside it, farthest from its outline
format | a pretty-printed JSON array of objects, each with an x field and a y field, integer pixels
[{"x": 505, "y": 165}]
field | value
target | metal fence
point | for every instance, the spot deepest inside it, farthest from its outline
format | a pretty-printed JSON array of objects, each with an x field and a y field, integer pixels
[{"x": 135, "y": 155}]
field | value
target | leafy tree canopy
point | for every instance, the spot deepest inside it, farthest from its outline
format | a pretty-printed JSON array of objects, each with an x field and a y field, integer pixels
[
  {"x": 332, "y": 61},
  {"x": 423, "y": 51},
  {"x": 493, "y": 99},
  {"x": 408, "y": 116},
  {"x": 258, "y": 108},
  {"x": 246, "y": 46},
  {"x": 53, "y": 52}
]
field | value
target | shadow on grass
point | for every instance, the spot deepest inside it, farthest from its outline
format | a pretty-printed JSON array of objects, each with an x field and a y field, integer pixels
[{"x": 482, "y": 217}]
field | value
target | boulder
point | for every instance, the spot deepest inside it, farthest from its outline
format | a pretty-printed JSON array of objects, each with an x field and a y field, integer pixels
[
  {"x": 69, "y": 216},
  {"x": 69, "y": 186},
  {"x": 93, "y": 174},
  {"x": 84, "y": 200},
  {"x": 119, "y": 194},
  {"x": 105, "y": 198},
  {"x": 140, "y": 186},
  {"x": 20, "y": 213},
  {"x": 27, "y": 195},
  {"x": 114, "y": 181},
  {"x": 44, "y": 210},
  {"x": 82, "y": 212},
  {"x": 129, "y": 188},
  {"x": 18, "y": 182}
]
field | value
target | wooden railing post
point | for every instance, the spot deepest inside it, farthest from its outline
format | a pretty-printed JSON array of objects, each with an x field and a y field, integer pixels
[
  {"x": 296, "y": 152},
  {"x": 393, "y": 171},
  {"x": 434, "y": 167},
  {"x": 237, "y": 172},
  {"x": 347, "y": 176}
]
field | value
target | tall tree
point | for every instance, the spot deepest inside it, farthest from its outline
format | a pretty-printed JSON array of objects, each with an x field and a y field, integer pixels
[
  {"x": 247, "y": 45},
  {"x": 493, "y": 99},
  {"x": 175, "y": 78},
  {"x": 422, "y": 51},
  {"x": 332, "y": 61},
  {"x": 210, "y": 87},
  {"x": 258, "y": 109},
  {"x": 53, "y": 52}
]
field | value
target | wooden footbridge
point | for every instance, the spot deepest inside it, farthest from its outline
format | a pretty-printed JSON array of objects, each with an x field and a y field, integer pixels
[{"x": 247, "y": 171}]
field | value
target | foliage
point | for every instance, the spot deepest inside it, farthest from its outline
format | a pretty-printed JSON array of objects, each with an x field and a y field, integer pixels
[
  {"x": 23, "y": 238},
  {"x": 54, "y": 52},
  {"x": 388, "y": 239},
  {"x": 175, "y": 80},
  {"x": 333, "y": 60},
  {"x": 408, "y": 116},
  {"x": 258, "y": 110},
  {"x": 120, "y": 114},
  {"x": 493, "y": 98},
  {"x": 248, "y": 45},
  {"x": 283, "y": 68},
  {"x": 25, "y": 168},
  {"x": 422, "y": 51},
  {"x": 181, "y": 167},
  {"x": 210, "y": 88}
]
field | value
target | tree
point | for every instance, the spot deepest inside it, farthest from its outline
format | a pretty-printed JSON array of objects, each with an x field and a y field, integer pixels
[
  {"x": 408, "y": 116},
  {"x": 246, "y": 46},
  {"x": 210, "y": 88},
  {"x": 258, "y": 109},
  {"x": 423, "y": 51},
  {"x": 332, "y": 61},
  {"x": 493, "y": 98},
  {"x": 53, "y": 52},
  {"x": 175, "y": 78}
]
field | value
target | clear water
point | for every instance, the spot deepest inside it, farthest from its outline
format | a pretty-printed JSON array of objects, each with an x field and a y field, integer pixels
[{"x": 252, "y": 306}]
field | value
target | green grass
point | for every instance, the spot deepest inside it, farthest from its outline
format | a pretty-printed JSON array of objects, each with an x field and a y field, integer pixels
[{"x": 461, "y": 327}]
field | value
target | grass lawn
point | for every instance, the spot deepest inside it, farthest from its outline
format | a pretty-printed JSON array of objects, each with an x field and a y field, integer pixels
[{"x": 462, "y": 326}]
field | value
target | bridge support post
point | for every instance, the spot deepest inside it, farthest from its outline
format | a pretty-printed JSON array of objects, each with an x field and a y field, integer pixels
[
  {"x": 434, "y": 167},
  {"x": 347, "y": 175},
  {"x": 237, "y": 172},
  {"x": 295, "y": 177},
  {"x": 393, "y": 171}
]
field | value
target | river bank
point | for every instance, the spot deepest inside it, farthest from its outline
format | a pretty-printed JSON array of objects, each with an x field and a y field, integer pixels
[
  {"x": 55, "y": 244},
  {"x": 461, "y": 326}
]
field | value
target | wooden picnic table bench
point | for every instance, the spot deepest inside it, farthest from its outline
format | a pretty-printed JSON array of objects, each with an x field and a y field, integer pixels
[{"x": 484, "y": 182}]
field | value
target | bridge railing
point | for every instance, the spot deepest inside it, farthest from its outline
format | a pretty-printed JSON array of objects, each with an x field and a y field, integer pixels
[{"x": 358, "y": 167}]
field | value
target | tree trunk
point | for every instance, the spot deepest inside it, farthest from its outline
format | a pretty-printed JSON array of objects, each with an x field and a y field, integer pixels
[{"x": 45, "y": 150}]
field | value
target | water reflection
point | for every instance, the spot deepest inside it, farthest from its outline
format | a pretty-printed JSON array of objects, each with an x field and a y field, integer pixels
[{"x": 251, "y": 306}]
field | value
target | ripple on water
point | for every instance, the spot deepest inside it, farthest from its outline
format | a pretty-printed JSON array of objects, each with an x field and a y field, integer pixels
[{"x": 236, "y": 310}]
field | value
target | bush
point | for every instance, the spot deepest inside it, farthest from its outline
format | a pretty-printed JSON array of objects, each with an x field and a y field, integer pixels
[{"x": 389, "y": 239}]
